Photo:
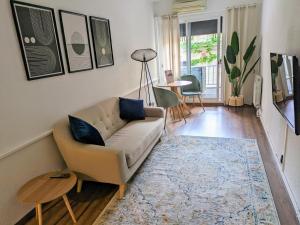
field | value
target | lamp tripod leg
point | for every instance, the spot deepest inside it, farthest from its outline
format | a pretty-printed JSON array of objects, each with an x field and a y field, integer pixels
[
  {"x": 149, "y": 74},
  {"x": 147, "y": 79},
  {"x": 141, "y": 80}
]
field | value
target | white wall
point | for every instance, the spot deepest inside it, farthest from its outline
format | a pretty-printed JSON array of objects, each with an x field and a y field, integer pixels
[
  {"x": 281, "y": 33},
  {"x": 162, "y": 7},
  {"x": 30, "y": 108}
]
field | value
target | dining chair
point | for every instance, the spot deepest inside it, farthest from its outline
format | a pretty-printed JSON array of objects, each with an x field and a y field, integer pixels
[
  {"x": 168, "y": 100},
  {"x": 192, "y": 90}
]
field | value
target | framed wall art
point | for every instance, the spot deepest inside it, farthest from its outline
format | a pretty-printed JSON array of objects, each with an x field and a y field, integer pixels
[
  {"x": 76, "y": 41},
  {"x": 101, "y": 36},
  {"x": 38, "y": 39}
]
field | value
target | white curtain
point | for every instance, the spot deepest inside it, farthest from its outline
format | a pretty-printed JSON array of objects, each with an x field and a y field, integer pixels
[
  {"x": 245, "y": 20},
  {"x": 170, "y": 49}
]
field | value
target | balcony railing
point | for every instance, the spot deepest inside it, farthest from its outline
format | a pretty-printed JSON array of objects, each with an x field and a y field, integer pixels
[
  {"x": 207, "y": 75},
  {"x": 211, "y": 76}
]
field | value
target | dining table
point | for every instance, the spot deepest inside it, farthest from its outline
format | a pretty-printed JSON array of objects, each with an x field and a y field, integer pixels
[{"x": 175, "y": 86}]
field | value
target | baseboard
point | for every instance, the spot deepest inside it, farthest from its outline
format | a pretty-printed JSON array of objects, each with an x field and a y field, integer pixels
[
  {"x": 205, "y": 104},
  {"x": 289, "y": 190},
  {"x": 285, "y": 181},
  {"x": 155, "y": 81},
  {"x": 214, "y": 104}
]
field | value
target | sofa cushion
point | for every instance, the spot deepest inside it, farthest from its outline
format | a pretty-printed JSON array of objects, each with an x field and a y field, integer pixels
[
  {"x": 131, "y": 109},
  {"x": 135, "y": 137},
  {"x": 85, "y": 132},
  {"x": 105, "y": 116}
]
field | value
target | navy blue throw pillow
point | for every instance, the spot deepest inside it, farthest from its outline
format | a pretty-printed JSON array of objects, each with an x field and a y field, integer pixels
[
  {"x": 131, "y": 109},
  {"x": 84, "y": 132}
]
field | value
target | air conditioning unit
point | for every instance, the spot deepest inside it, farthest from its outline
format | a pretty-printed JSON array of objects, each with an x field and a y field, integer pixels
[{"x": 186, "y": 6}]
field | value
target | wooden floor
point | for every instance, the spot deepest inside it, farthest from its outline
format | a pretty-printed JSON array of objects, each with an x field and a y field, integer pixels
[{"x": 215, "y": 122}]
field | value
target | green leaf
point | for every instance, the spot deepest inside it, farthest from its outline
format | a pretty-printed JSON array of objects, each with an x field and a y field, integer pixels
[
  {"x": 249, "y": 51},
  {"x": 227, "y": 69},
  {"x": 251, "y": 69},
  {"x": 274, "y": 67},
  {"x": 235, "y": 73},
  {"x": 230, "y": 55},
  {"x": 253, "y": 41},
  {"x": 235, "y": 43}
]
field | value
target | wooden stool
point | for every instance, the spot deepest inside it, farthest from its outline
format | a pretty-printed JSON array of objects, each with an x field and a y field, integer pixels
[{"x": 44, "y": 189}]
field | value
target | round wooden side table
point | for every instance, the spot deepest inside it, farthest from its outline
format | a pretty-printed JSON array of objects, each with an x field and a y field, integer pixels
[{"x": 44, "y": 189}]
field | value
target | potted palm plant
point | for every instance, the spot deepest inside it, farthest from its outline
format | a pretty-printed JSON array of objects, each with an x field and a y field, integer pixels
[{"x": 238, "y": 76}]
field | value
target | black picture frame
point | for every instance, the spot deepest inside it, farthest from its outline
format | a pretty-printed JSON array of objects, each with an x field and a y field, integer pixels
[
  {"x": 40, "y": 50},
  {"x": 87, "y": 44},
  {"x": 95, "y": 23}
]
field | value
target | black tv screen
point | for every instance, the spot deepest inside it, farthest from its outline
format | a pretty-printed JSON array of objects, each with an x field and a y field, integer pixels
[{"x": 286, "y": 88}]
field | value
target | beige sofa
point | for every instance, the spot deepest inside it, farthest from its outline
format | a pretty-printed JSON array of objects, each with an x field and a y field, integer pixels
[{"x": 127, "y": 144}]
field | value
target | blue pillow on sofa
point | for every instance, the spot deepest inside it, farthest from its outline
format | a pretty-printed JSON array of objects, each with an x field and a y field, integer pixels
[
  {"x": 84, "y": 132},
  {"x": 131, "y": 109}
]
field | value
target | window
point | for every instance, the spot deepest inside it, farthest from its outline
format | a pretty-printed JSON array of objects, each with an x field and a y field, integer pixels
[{"x": 199, "y": 54}]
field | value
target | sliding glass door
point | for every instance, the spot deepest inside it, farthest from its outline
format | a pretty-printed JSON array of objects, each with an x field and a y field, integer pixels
[{"x": 200, "y": 51}]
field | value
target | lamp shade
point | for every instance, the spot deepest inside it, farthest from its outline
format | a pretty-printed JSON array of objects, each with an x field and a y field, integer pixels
[{"x": 144, "y": 55}]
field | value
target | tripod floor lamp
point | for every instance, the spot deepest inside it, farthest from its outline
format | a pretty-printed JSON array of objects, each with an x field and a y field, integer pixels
[{"x": 144, "y": 56}]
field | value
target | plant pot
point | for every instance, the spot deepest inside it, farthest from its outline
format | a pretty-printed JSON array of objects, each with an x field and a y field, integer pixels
[
  {"x": 278, "y": 96},
  {"x": 236, "y": 100}
]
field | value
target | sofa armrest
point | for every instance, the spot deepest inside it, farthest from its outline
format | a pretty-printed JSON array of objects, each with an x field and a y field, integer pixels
[
  {"x": 154, "y": 112},
  {"x": 101, "y": 163}
]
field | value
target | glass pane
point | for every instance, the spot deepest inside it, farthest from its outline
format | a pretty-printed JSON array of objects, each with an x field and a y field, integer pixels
[
  {"x": 183, "y": 51},
  {"x": 204, "y": 62},
  {"x": 290, "y": 85}
]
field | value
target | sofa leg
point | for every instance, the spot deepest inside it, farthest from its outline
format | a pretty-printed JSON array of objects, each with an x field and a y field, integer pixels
[
  {"x": 122, "y": 189},
  {"x": 79, "y": 185}
]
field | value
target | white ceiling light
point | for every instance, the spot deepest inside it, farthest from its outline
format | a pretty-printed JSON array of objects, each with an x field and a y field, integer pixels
[{"x": 185, "y": 6}]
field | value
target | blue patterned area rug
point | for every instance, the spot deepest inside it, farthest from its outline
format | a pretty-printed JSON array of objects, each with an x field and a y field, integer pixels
[{"x": 197, "y": 180}]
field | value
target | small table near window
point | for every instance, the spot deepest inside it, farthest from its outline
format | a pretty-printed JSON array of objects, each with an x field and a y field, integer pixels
[
  {"x": 43, "y": 189},
  {"x": 174, "y": 87}
]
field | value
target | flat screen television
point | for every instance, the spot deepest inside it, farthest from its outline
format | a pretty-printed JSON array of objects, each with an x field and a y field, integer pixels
[{"x": 286, "y": 88}]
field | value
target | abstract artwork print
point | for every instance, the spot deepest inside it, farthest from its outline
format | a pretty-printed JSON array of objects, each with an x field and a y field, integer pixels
[
  {"x": 102, "y": 42},
  {"x": 38, "y": 40},
  {"x": 76, "y": 40}
]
